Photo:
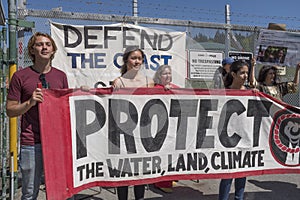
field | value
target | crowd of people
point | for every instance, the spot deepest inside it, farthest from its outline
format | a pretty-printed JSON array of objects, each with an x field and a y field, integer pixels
[{"x": 25, "y": 92}]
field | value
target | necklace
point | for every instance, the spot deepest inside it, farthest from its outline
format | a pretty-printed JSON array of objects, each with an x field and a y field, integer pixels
[{"x": 45, "y": 71}]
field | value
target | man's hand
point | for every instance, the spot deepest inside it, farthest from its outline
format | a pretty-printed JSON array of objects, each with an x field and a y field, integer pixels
[{"x": 37, "y": 97}]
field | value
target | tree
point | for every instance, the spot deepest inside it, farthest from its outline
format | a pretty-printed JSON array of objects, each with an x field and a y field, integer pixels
[
  {"x": 219, "y": 37},
  {"x": 201, "y": 38}
]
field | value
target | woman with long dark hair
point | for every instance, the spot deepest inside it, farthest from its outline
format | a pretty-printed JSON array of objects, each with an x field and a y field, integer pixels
[
  {"x": 131, "y": 76},
  {"x": 269, "y": 83},
  {"x": 235, "y": 79}
]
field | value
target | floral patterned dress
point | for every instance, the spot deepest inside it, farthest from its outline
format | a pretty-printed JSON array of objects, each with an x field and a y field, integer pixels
[{"x": 278, "y": 90}]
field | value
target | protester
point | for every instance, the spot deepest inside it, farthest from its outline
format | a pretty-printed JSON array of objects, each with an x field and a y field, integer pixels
[
  {"x": 131, "y": 76},
  {"x": 268, "y": 82},
  {"x": 22, "y": 100},
  {"x": 235, "y": 79},
  {"x": 221, "y": 72},
  {"x": 163, "y": 79}
]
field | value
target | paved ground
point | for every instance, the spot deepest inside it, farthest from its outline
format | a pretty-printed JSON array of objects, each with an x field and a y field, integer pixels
[{"x": 267, "y": 187}]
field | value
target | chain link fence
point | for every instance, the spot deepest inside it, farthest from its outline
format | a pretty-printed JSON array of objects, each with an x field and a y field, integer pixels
[{"x": 200, "y": 35}]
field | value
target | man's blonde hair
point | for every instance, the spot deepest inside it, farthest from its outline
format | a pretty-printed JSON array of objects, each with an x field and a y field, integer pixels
[{"x": 32, "y": 40}]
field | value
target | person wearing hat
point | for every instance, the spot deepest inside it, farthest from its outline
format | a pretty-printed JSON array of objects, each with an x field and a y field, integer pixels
[{"x": 221, "y": 72}]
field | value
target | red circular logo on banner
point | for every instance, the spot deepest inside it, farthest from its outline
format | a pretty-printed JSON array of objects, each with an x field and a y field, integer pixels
[{"x": 285, "y": 138}]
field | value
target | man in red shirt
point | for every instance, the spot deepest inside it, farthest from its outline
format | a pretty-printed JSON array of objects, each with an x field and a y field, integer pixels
[{"x": 22, "y": 100}]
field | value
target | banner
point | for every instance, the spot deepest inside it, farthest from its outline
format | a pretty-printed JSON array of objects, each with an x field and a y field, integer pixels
[
  {"x": 91, "y": 53},
  {"x": 278, "y": 47},
  {"x": 139, "y": 136}
]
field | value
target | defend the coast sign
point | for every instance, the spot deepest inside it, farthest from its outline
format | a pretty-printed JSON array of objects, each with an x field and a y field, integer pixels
[
  {"x": 140, "y": 136},
  {"x": 89, "y": 54}
]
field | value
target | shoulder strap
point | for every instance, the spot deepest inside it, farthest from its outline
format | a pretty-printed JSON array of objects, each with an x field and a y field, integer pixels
[
  {"x": 147, "y": 81},
  {"x": 122, "y": 82}
]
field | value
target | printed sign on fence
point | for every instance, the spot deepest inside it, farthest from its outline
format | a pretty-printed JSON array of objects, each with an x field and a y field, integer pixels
[
  {"x": 278, "y": 47},
  {"x": 203, "y": 64}
]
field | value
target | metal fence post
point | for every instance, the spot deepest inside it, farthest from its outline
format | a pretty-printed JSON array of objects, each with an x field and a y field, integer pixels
[
  {"x": 12, "y": 69},
  {"x": 227, "y": 30},
  {"x": 3, "y": 112}
]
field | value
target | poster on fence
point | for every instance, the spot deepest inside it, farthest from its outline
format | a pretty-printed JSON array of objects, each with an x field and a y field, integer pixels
[
  {"x": 203, "y": 64},
  {"x": 90, "y": 53},
  {"x": 140, "y": 136},
  {"x": 279, "y": 48}
]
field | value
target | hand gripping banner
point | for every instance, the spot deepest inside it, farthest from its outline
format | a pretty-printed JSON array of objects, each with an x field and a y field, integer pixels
[{"x": 140, "y": 136}]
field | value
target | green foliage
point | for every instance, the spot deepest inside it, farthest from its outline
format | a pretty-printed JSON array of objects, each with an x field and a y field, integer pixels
[
  {"x": 201, "y": 38},
  {"x": 245, "y": 40},
  {"x": 219, "y": 37}
]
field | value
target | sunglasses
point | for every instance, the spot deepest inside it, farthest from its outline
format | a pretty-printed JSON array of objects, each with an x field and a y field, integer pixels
[{"x": 44, "y": 81}]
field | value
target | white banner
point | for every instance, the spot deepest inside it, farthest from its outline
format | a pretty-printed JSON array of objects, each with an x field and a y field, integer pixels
[
  {"x": 145, "y": 135},
  {"x": 151, "y": 136},
  {"x": 93, "y": 53}
]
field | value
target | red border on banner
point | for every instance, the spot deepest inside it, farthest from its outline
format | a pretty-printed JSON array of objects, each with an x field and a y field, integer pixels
[{"x": 57, "y": 147}]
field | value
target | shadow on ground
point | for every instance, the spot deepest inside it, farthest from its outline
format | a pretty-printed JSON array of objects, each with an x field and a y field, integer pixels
[
  {"x": 180, "y": 192},
  {"x": 277, "y": 190}
]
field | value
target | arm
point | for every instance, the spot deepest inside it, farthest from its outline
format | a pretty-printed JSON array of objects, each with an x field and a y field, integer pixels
[
  {"x": 252, "y": 79},
  {"x": 150, "y": 82},
  {"x": 85, "y": 88},
  {"x": 117, "y": 84},
  {"x": 296, "y": 78},
  {"x": 218, "y": 82},
  {"x": 14, "y": 108}
]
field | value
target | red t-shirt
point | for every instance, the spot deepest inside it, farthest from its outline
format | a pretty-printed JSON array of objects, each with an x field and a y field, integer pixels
[{"x": 21, "y": 87}]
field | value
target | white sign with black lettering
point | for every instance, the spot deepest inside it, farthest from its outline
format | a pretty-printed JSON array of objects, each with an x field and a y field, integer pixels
[{"x": 203, "y": 64}]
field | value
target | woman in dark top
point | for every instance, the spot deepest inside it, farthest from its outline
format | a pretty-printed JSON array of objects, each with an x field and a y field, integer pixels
[{"x": 235, "y": 79}]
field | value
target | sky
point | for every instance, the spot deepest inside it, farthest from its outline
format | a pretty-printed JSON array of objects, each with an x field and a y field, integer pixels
[{"x": 249, "y": 13}]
